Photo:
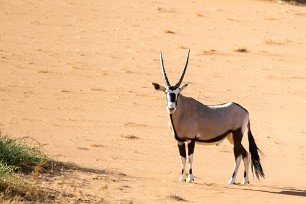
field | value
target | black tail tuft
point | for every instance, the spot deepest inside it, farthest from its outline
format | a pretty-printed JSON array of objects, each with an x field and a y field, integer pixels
[{"x": 255, "y": 159}]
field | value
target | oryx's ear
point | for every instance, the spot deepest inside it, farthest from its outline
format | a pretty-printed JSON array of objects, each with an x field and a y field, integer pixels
[
  {"x": 159, "y": 87},
  {"x": 183, "y": 86}
]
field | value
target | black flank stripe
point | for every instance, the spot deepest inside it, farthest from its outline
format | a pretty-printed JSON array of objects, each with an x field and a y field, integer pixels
[{"x": 216, "y": 139}]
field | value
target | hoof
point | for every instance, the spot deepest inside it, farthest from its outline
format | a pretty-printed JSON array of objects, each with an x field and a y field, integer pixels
[
  {"x": 182, "y": 178},
  {"x": 189, "y": 178},
  {"x": 231, "y": 182},
  {"x": 245, "y": 182}
]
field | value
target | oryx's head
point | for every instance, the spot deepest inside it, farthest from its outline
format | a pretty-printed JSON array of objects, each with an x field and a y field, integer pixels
[{"x": 172, "y": 92}]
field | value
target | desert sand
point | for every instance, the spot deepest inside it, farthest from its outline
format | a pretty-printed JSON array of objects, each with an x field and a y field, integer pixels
[{"x": 76, "y": 77}]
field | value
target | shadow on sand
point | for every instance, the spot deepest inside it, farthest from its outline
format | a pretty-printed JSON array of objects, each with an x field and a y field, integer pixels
[
  {"x": 57, "y": 168},
  {"x": 281, "y": 191},
  {"x": 265, "y": 189}
]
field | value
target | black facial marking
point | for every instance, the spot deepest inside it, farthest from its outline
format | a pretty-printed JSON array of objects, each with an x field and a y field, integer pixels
[
  {"x": 182, "y": 150},
  {"x": 171, "y": 97},
  {"x": 172, "y": 88}
]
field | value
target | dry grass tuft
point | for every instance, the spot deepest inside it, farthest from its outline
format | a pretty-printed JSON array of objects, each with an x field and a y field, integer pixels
[
  {"x": 43, "y": 71},
  {"x": 128, "y": 72},
  {"x": 176, "y": 197},
  {"x": 104, "y": 187},
  {"x": 163, "y": 10},
  {"x": 158, "y": 9},
  {"x": 199, "y": 14},
  {"x": 182, "y": 47},
  {"x": 272, "y": 42},
  {"x": 169, "y": 31},
  {"x": 129, "y": 136},
  {"x": 66, "y": 91},
  {"x": 96, "y": 145},
  {"x": 241, "y": 49},
  {"x": 209, "y": 52}
]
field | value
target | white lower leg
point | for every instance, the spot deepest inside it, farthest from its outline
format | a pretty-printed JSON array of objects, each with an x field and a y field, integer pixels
[
  {"x": 246, "y": 170},
  {"x": 190, "y": 176},
  {"x": 183, "y": 164},
  {"x": 237, "y": 163}
]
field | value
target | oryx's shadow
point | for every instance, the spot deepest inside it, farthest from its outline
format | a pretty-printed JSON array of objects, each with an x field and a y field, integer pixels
[
  {"x": 282, "y": 191},
  {"x": 290, "y": 191}
]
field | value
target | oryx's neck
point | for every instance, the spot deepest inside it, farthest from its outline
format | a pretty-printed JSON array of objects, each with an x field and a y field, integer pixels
[
  {"x": 180, "y": 107},
  {"x": 180, "y": 114}
]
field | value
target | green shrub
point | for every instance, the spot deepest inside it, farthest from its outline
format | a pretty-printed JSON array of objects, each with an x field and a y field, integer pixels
[
  {"x": 14, "y": 153},
  {"x": 17, "y": 157}
]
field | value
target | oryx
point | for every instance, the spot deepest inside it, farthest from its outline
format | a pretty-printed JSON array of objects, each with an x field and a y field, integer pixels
[{"x": 191, "y": 121}]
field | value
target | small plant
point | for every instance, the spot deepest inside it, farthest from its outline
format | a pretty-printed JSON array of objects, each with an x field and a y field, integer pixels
[
  {"x": 182, "y": 47},
  {"x": 241, "y": 49},
  {"x": 176, "y": 197},
  {"x": 129, "y": 136},
  {"x": 209, "y": 52},
  {"x": 272, "y": 42},
  {"x": 199, "y": 14},
  {"x": 163, "y": 10},
  {"x": 43, "y": 71},
  {"x": 158, "y": 9},
  {"x": 16, "y": 157},
  {"x": 169, "y": 31},
  {"x": 14, "y": 153}
]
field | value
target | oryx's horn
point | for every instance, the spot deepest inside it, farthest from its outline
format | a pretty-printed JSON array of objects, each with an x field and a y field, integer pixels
[
  {"x": 183, "y": 72},
  {"x": 163, "y": 69}
]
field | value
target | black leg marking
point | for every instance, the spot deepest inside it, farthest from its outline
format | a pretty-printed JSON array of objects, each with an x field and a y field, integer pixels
[
  {"x": 244, "y": 174},
  {"x": 233, "y": 174},
  {"x": 182, "y": 149},
  {"x": 238, "y": 148},
  {"x": 191, "y": 146},
  {"x": 190, "y": 171}
]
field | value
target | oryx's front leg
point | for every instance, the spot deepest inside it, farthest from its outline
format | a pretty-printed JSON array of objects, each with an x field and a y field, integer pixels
[
  {"x": 191, "y": 144},
  {"x": 182, "y": 150}
]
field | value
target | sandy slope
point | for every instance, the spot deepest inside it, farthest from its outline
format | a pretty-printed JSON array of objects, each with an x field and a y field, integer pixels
[{"x": 76, "y": 76}]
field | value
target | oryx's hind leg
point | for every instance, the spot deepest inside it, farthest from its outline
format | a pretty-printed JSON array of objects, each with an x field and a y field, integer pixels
[
  {"x": 182, "y": 150},
  {"x": 239, "y": 153},
  {"x": 246, "y": 170}
]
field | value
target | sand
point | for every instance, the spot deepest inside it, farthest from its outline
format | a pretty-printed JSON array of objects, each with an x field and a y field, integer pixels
[{"x": 76, "y": 77}]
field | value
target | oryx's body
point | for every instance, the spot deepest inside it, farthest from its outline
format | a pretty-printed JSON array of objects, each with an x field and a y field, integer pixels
[
  {"x": 191, "y": 121},
  {"x": 194, "y": 120}
]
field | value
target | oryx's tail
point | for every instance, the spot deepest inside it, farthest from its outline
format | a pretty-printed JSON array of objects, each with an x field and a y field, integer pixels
[{"x": 255, "y": 160}]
